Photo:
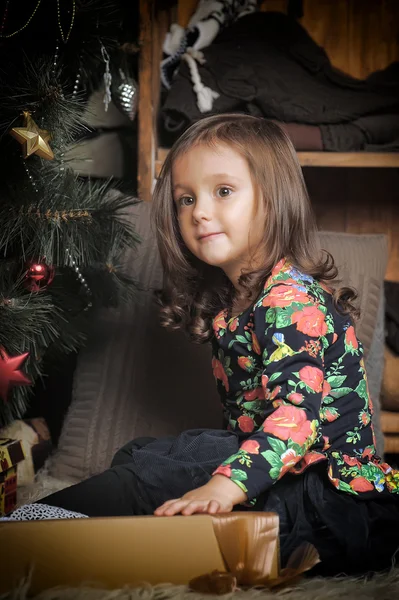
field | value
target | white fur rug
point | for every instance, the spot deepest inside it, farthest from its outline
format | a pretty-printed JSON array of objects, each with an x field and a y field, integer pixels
[
  {"x": 380, "y": 587},
  {"x": 44, "y": 485}
]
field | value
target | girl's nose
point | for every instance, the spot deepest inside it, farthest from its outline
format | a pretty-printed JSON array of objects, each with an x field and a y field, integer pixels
[{"x": 202, "y": 210}]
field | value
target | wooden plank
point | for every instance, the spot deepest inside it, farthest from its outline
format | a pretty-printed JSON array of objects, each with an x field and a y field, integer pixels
[
  {"x": 185, "y": 10},
  {"x": 146, "y": 141},
  {"x": 161, "y": 155},
  {"x": 373, "y": 33},
  {"x": 359, "y": 36},
  {"x": 326, "y": 159},
  {"x": 274, "y": 6},
  {"x": 393, "y": 262},
  {"x": 355, "y": 201},
  {"x": 349, "y": 159},
  {"x": 326, "y": 188},
  {"x": 327, "y": 24},
  {"x": 161, "y": 21}
]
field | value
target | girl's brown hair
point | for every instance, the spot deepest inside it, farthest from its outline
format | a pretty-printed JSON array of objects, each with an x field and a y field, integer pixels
[{"x": 194, "y": 292}]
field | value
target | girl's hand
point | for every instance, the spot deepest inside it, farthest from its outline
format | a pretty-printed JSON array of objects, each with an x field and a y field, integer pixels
[{"x": 219, "y": 495}]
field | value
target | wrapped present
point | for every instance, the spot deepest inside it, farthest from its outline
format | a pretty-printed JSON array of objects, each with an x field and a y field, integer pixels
[
  {"x": 36, "y": 445},
  {"x": 11, "y": 453},
  {"x": 213, "y": 554}
]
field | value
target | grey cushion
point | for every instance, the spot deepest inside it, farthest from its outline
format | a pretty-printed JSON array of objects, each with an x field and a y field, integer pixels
[
  {"x": 362, "y": 261},
  {"x": 375, "y": 370},
  {"x": 134, "y": 378}
]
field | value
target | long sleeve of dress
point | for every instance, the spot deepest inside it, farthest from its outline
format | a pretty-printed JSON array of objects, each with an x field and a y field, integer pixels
[{"x": 289, "y": 335}]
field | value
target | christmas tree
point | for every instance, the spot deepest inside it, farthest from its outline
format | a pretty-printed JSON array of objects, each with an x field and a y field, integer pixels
[{"x": 62, "y": 236}]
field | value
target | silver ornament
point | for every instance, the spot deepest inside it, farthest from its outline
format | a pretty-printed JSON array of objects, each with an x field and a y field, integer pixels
[{"x": 124, "y": 90}]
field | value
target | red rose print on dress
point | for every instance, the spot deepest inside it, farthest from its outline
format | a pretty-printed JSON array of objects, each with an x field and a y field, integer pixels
[
  {"x": 312, "y": 457},
  {"x": 313, "y": 377},
  {"x": 278, "y": 402},
  {"x": 310, "y": 321},
  {"x": 276, "y": 270},
  {"x": 361, "y": 484},
  {"x": 364, "y": 417},
  {"x": 275, "y": 392},
  {"x": 247, "y": 363},
  {"x": 255, "y": 344},
  {"x": 255, "y": 394},
  {"x": 219, "y": 373},
  {"x": 295, "y": 398},
  {"x": 330, "y": 414},
  {"x": 234, "y": 324},
  {"x": 385, "y": 468},
  {"x": 223, "y": 471},
  {"x": 370, "y": 402},
  {"x": 284, "y": 295},
  {"x": 250, "y": 446},
  {"x": 246, "y": 424},
  {"x": 289, "y": 422},
  {"x": 266, "y": 391},
  {"x": 367, "y": 452},
  {"x": 351, "y": 461},
  {"x": 326, "y": 388},
  {"x": 334, "y": 480},
  {"x": 219, "y": 323},
  {"x": 327, "y": 444},
  {"x": 289, "y": 458},
  {"x": 351, "y": 343}
]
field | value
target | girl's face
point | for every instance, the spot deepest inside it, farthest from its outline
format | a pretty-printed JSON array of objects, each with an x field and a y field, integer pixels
[{"x": 219, "y": 218}]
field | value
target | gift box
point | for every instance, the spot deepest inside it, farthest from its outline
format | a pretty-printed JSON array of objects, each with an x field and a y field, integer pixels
[
  {"x": 11, "y": 453},
  {"x": 211, "y": 554}
]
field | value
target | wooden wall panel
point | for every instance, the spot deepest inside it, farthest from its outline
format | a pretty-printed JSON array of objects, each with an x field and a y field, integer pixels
[
  {"x": 393, "y": 267},
  {"x": 358, "y": 201},
  {"x": 185, "y": 9},
  {"x": 359, "y": 36},
  {"x": 274, "y": 5},
  {"x": 373, "y": 31},
  {"x": 155, "y": 17},
  {"x": 328, "y": 24},
  {"x": 146, "y": 141}
]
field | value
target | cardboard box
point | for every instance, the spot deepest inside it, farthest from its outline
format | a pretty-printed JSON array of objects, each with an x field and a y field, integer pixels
[
  {"x": 114, "y": 552},
  {"x": 11, "y": 453}
]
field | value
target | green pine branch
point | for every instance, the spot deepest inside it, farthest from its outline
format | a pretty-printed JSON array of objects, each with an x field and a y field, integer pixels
[{"x": 51, "y": 214}]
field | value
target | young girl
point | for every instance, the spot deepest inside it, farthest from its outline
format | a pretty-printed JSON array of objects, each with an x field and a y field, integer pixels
[{"x": 242, "y": 270}]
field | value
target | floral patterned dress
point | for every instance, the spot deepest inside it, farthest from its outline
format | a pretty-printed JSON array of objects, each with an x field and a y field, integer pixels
[{"x": 291, "y": 376}]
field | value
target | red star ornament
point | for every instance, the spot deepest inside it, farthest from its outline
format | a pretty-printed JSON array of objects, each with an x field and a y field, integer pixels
[{"x": 10, "y": 373}]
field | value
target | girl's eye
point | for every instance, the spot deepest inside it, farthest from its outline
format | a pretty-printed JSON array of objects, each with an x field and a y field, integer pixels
[
  {"x": 186, "y": 201},
  {"x": 223, "y": 192}
]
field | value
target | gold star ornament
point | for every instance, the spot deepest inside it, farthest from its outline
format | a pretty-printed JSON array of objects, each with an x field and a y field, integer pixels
[{"x": 33, "y": 139}]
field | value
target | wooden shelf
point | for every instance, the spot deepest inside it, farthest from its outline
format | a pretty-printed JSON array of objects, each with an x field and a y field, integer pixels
[
  {"x": 326, "y": 159},
  {"x": 349, "y": 159}
]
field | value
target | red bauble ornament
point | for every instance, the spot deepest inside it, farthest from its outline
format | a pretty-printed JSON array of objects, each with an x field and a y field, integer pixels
[
  {"x": 38, "y": 275},
  {"x": 10, "y": 373}
]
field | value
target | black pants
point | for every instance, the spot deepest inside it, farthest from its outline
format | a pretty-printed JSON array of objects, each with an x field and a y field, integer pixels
[
  {"x": 352, "y": 535},
  {"x": 113, "y": 493}
]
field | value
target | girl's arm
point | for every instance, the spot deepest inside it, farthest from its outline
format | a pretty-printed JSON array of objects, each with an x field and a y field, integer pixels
[
  {"x": 290, "y": 332},
  {"x": 219, "y": 495}
]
